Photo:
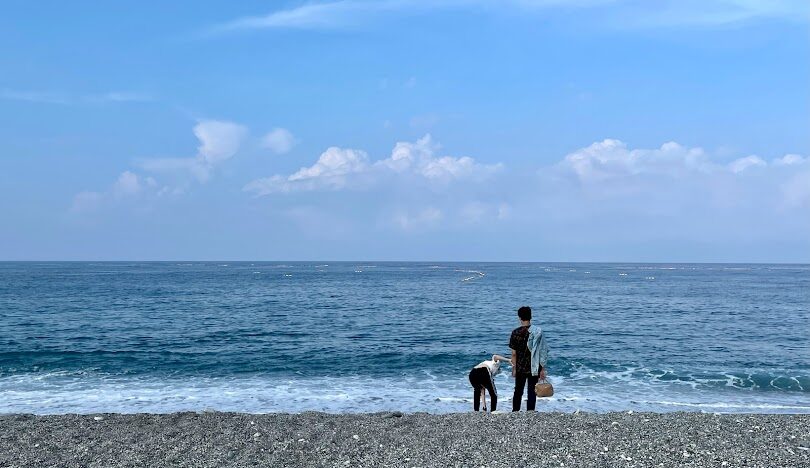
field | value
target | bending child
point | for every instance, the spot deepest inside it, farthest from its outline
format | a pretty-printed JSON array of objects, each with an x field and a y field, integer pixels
[{"x": 482, "y": 379}]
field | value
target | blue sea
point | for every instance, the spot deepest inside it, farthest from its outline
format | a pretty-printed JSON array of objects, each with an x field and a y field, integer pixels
[{"x": 358, "y": 337}]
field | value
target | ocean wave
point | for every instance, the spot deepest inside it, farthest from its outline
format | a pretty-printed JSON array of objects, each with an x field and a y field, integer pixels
[
  {"x": 475, "y": 274},
  {"x": 59, "y": 393},
  {"x": 767, "y": 381}
]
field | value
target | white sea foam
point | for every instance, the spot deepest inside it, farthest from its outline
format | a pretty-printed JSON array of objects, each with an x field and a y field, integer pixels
[
  {"x": 477, "y": 274},
  {"x": 71, "y": 393},
  {"x": 736, "y": 406}
]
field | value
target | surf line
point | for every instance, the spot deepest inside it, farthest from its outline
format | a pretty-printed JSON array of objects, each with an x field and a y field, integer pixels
[{"x": 478, "y": 274}]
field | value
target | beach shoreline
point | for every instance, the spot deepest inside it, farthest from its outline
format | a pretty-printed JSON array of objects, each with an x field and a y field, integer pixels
[{"x": 405, "y": 439}]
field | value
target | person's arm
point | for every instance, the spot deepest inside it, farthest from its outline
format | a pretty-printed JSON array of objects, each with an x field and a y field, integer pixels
[
  {"x": 513, "y": 361},
  {"x": 484, "y": 399},
  {"x": 498, "y": 357}
]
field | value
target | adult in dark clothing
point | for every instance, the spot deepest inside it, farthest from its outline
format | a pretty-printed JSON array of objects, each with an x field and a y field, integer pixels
[{"x": 522, "y": 362}]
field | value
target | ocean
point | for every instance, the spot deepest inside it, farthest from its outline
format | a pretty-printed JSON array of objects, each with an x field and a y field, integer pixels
[{"x": 342, "y": 337}]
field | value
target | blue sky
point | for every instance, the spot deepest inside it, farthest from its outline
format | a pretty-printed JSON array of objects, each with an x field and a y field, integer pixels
[{"x": 534, "y": 130}]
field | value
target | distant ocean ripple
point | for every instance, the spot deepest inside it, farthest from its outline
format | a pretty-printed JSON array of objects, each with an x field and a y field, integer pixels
[{"x": 351, "y": 337}]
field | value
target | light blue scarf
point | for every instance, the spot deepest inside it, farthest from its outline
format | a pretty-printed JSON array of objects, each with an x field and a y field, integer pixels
[{"x": 538, "y": 347}]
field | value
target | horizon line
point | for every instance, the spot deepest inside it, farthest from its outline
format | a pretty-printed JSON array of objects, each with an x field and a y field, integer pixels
[{"x": 413, "y": 261}]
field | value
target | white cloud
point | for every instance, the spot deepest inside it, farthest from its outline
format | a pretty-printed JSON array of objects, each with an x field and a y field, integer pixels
[
  {"x": 742, "y": 164},
  {"x": 419, "y": 158},
  {"x": 333, "y": 163},
  {"x": 329, "y": 172},
  {"x": 354, "y": 13},
  {"x": 611, "y": 158},
  {"x": 339, "y": 168},
  {"x": 219, "y": 141},
  {"x": 127, "y": 184},
  {"x": 665, "y": 178},
  {"x": 789, "y": 160},
  {"x": 278, "y": 140}
]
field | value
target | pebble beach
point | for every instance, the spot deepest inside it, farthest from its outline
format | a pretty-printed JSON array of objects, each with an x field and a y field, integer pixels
[{"x": 211, "y": 439}]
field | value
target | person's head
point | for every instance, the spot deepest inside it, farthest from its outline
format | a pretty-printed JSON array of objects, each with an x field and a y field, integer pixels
[{"x": 525, "y": 314}]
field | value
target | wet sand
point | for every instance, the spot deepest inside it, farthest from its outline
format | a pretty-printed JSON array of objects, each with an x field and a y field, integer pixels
[{"x": 396, "y": 439}]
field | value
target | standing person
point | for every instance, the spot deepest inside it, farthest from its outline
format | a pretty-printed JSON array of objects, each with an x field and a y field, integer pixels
[
  {"x": 482, "y": 379},
  {"x": 529, "y": 356}
]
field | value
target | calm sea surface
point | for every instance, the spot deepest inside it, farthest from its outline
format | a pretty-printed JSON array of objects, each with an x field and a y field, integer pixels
[{"x": 352, "y": 337}]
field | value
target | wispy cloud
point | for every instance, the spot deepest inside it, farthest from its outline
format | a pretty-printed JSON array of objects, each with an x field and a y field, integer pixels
[
  {"x": 326, "y": 15},
  {"x": 722, "y": 12},
  {"x": 120, "y": 96},
  {"x": 65, "y": 99},
  {"x": 279, "y": 140},
  {"x": 32, "y": 96},
  {"x": 128, "y": 187},
  {"x": 219, "y": 141},
  {"x": 354, "y": 13}
]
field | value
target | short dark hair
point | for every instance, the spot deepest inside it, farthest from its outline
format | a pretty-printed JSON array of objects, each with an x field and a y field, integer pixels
[{"x": 525, "y": 313}]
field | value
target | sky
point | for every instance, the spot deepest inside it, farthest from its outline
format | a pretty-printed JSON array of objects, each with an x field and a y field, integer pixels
[{"x": 454, "y": 130}]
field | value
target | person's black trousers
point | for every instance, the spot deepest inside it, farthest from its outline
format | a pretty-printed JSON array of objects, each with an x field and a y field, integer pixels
[
  {"x": 480, "y": 380},
  {"x": 520, "y": 381}
]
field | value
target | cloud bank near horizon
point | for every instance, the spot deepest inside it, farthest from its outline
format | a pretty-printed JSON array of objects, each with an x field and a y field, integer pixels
[{"x": 603, "y": 192}]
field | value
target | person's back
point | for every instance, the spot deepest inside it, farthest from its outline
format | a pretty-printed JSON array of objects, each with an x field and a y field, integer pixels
[
  {"x": 522, "y": 362},
  {"x": 482, "y": 379},
  {"x": 519, "y": 343}
]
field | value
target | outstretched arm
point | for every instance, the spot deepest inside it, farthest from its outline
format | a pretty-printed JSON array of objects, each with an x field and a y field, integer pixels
[
  {"x": 498, "y": 357},
  {"x": 513, "y": 361}
]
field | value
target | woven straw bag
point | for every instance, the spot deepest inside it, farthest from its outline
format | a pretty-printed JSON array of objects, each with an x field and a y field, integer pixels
[{"x": 544, "y": 389}]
